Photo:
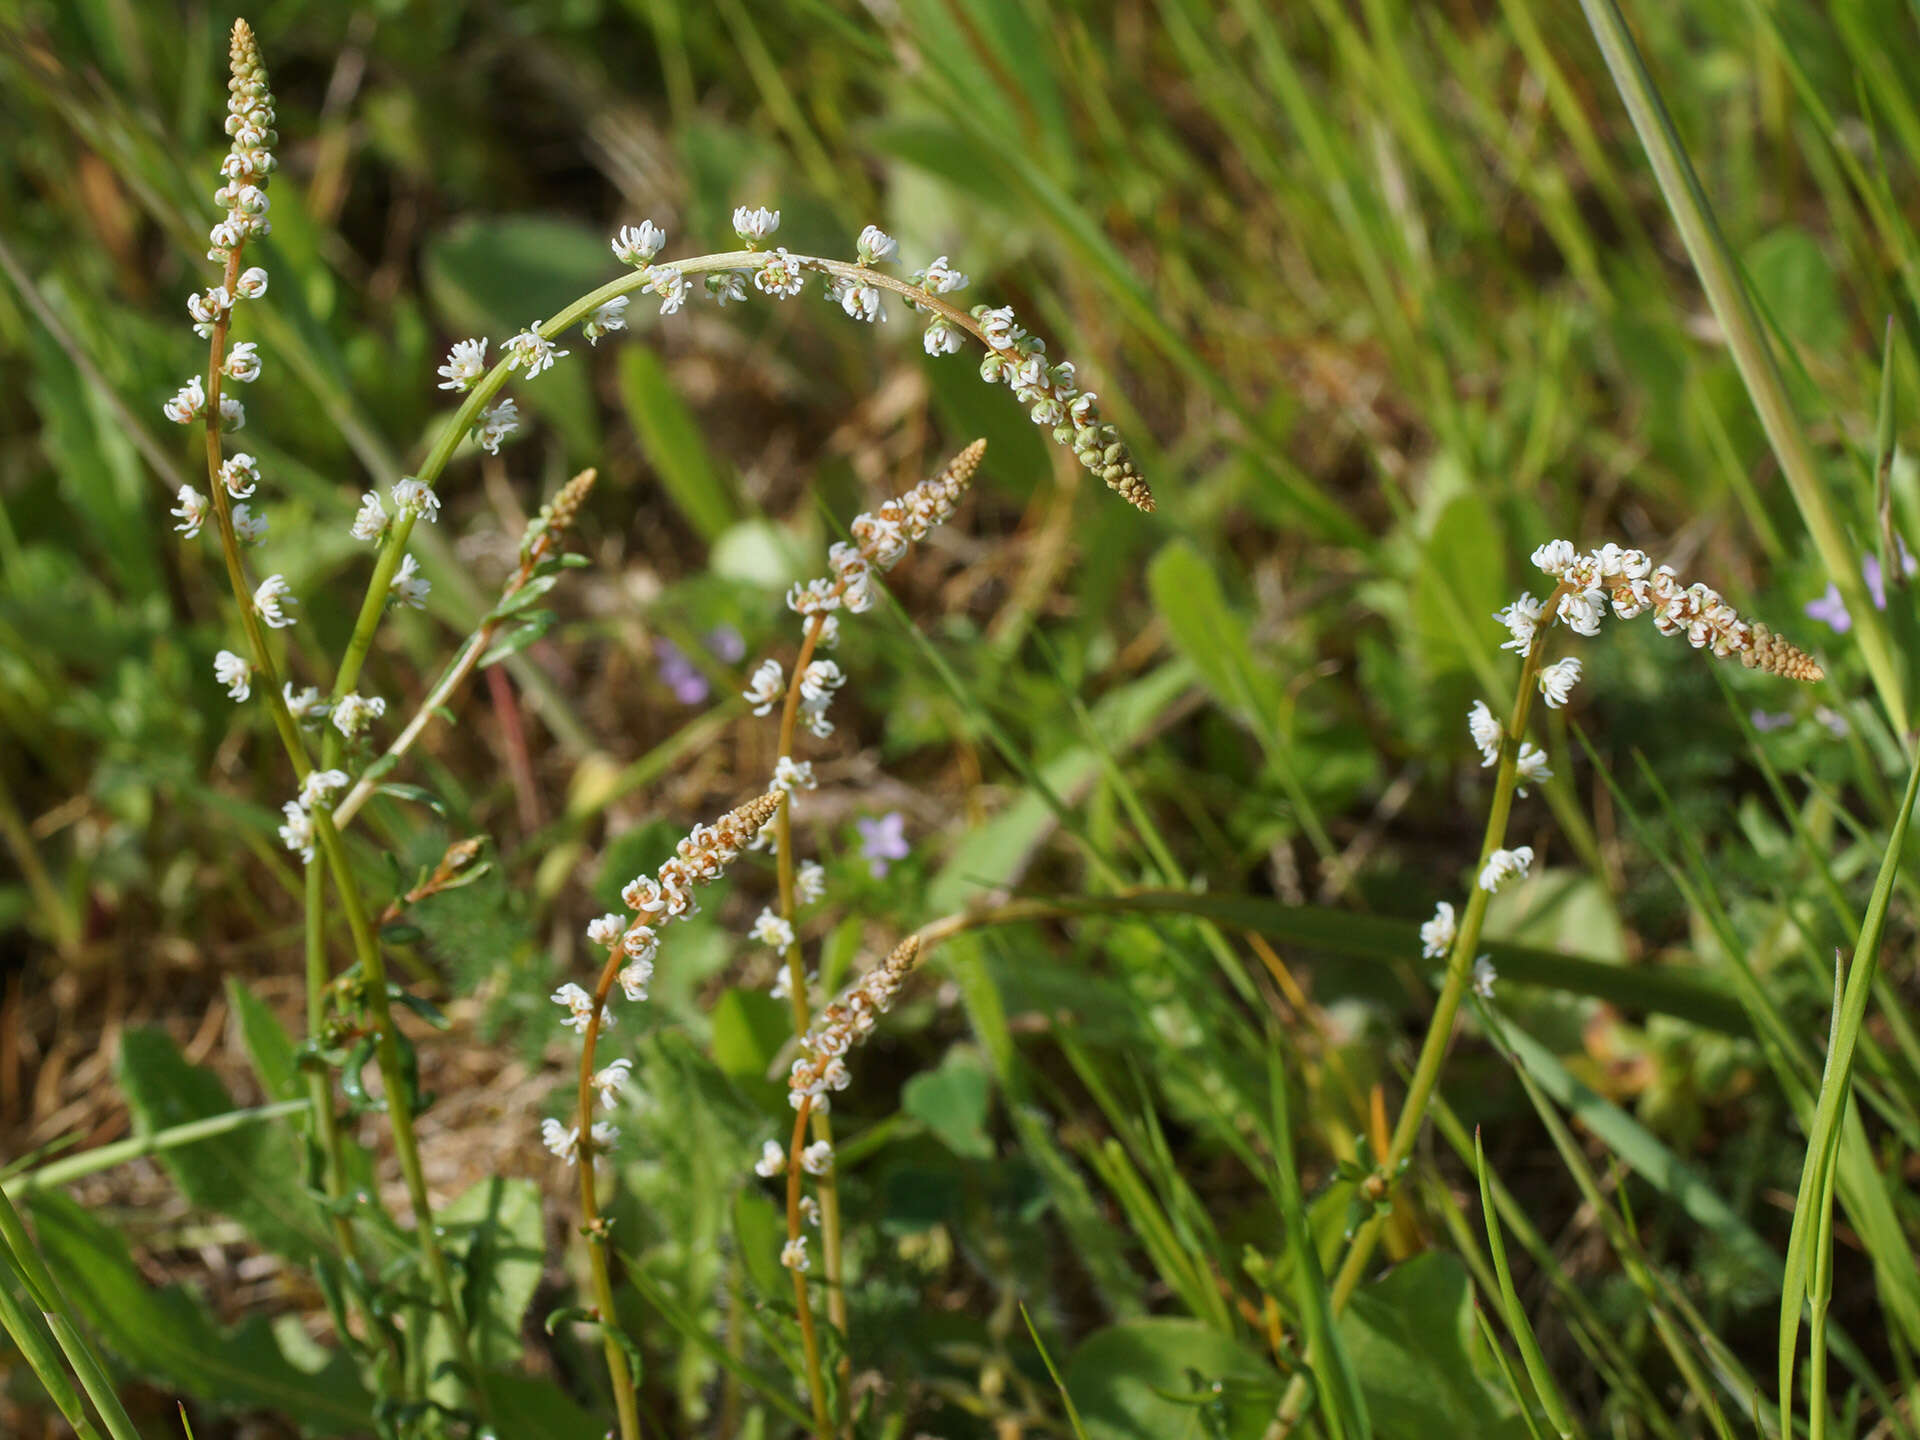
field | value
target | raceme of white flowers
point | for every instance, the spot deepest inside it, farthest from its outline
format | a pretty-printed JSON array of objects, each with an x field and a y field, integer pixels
[
  {"x": 1586, "y": 584},
  {"x": 655, "y": 901},
  {"x": 1015, "y": 357}
]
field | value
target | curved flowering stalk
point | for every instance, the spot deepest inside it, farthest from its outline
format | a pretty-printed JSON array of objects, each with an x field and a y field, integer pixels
[
  {"x": 1014, "y": 357},
  {"x": 1585, "y": 585},
  {"x": 880, "y": 541},
  {"x": 656, "y": 901}
]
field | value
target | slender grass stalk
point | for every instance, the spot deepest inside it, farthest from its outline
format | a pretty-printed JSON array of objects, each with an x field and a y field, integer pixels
[
  {"x": 17, "y": 1251},
  {"x": 1719, "y": 272},
  {"x": 594, "y": 1228},
  {"x": 32, "y": 1341}
]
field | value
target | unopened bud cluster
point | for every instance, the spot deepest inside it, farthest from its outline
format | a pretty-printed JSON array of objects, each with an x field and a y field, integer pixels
[{"x": 845, "y": 1023}]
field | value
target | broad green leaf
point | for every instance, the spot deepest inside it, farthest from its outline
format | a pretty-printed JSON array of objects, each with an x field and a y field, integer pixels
[
  {"x": 537, "y": 1410},
  {"x": 671, "y": 439},
  {"x": 1797, "y": 287},
  {"x": 749, "y": 1027},
  {"x": 165, "y": 1335},
  {"x": 1125, "y": 1380},
  {"x": 252, "y": 1174},
  {"x": 267, "y": 1043},
  {"x": 760, "y": 1230},
  {"x": 951, "y": 1101},
  {"x": 1210, "y": 635},
  {"x": 1409, "y": 1336},
  {"x": 497, "y": 1232}
]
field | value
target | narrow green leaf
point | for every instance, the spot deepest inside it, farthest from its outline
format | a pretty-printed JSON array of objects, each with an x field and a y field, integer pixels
[{"x": 674, "y": 445}]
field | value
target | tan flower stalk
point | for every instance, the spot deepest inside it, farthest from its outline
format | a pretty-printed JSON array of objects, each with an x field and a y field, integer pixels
[{"x": 656, "y": 901}]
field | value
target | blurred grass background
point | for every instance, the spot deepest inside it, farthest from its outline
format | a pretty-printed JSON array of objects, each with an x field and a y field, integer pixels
[{"x": 1383, "y": 295}]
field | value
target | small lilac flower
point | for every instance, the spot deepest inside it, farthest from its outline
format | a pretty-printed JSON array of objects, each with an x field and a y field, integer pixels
[
  {"x": 725, "y": 644},
  {"x": 1764, "y": 720},
  {"x": 882, "y": 840},
  {"x": 1831, "y": 609},
  {"x": 1835, "y": 722},
  {"x": 689, "y": 686},
  {"x": 1876, "y": 581}
]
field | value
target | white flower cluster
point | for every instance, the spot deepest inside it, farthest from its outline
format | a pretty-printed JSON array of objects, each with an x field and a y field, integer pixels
[
  {"x": 816, "y": 1159},
  {"x": 1505, "y": 865},
  {"x": 564, "y": 1140},
  {"x": 845, "y": 1023},
  {"x": 1626, "y": 578},
  {"x": 353, "y": 713},
  {"x": 466, "y": 363},
  {"x": 656, "y": 901},
  {"x": 1436, "y": 936},
  {"x": 316, "y": 793}
]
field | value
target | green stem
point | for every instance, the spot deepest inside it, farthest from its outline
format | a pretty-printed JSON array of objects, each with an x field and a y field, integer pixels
[
  {"x": 1453, "y": 989},
  {"x": 625, "y": 1400},
  {"x": 31, "y": 1341}
]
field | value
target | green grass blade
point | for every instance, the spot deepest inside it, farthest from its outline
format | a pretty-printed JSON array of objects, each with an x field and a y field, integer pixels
[
  {"x": 1753, "y": 355},
  {"x": 1814, "y": 1202},
  {"x": 32, "y": 1341},
  {"x": 1073, "y": 1412},
  {"x": 1518, "y": 1325},
  {"x": 104, "y": 1157}
]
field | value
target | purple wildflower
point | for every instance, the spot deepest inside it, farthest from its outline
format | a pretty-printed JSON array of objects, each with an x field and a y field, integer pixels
[
  {"x": 1832, "y": 609},
  {"x": 882, "y": 840},
  {"x": 689, "y": 686},
  {"x": 1764, "y": 720}
]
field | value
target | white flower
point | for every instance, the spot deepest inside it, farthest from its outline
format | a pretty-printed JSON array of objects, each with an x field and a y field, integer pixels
[
  {"x": 939, "y": 277},
  {"x": 1483, "y": 977},
  {"x": 562, "y": 1140},
  {"x": 248, "y": 528},
  {"x": 766, "y": 688},
  {"x": 240, "y": 473},
  {"x": 606, "y": 319},
  {"x": 817, "y": 1158},
  {"x": 793, "y": 1254},
  {"x": 779, "y": 276},
  {"x": 809, "y": 882},
  {"x": 637, "y": 245},
  {"x": 726, "y": 287},
  {"x": 252, "y": 283},
  {"x": 233, "y": 415},
  {"x": 533, "y": 350},
  {"x": 370, "y": 523},
  {"x": 1583, "y": 610},
  {"x": 192, "y": 510},
  {"x": 1558, "y": 679},
  {"x": 270, "y": 599},
  {"x": 770, "y": 929},
  {"x": 789, "y": 776},
  {"x": 782, "y": 987},
  {"x": 874, "y": 245},
  {"x": 611, "y": 1081},
  {"x": 1436, "y": 936},
  {"x": 754, "y": 226},
  {"x": 1486, "y": 731},
  {"x": 497, "y": 422},
  {"x": 187, "y": 403},
  {"x": 242, "y": 362},
  {"x": 320, "y": 786},
  {"x": 579, "y": 1006},
  {"x": 635, "y": 976},
  {"x": 297, "y": 833},
  {"x": 235, "y": 672},
  {"x": 1505, "y": 865},
  {"x": 810, "y": 1211},
  {"x": 309, "y": 707},
  {"x": 410, "y": 497},
  {"x": 466, "y": 363},
  {"x": 997, "y": 325},
  {"x": 861, "y": 302},
  {"x": 942, "y": 337},
  {"x": 407, "y": 586},
  {"x": 606, "y": 929},
  {"x": 772, "y": 1161},
  {"x": 670, "y": 285},
  {"x": 1521, "y": 618},
  {"x": 1531, "y": 769},
  {"x": 353, "y": 712},
  {"x": 1554, "y": 557},
  {"x": 206, "y": 309},
  {"x": 820, "y": 680}
]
